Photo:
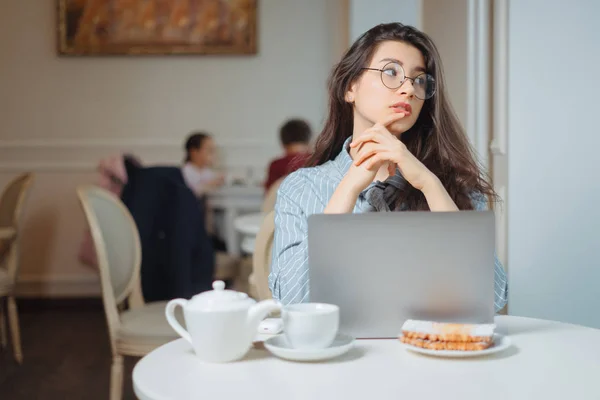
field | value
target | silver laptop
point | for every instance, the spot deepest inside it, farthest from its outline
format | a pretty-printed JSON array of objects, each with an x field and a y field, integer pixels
[{"x": 384, "y": 268}]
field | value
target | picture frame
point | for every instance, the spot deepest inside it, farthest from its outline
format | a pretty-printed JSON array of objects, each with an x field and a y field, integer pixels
[{"x": 156, "y": 27}]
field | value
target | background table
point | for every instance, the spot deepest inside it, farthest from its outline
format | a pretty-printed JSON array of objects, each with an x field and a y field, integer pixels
[
  {"x": 249, "y": 225},
  {"x": 548, "y": 360},
  {"x": 235, "y": 201}
]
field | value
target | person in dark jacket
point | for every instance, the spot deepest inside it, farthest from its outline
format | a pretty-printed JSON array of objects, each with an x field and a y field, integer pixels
[{"x": 178, "y": 258}]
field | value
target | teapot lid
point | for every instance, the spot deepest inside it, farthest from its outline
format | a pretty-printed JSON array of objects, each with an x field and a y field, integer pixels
[{"x": 220, "y": 299}]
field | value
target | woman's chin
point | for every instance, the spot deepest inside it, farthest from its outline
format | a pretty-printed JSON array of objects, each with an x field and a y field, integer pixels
[{"x": 399, "y": 127}]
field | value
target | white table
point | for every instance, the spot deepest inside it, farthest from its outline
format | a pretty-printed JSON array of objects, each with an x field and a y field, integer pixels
[
  {"x": 249, "y": 225},
  {"x": 234, "y": 201},
  {"x": 548, "y": 360}
]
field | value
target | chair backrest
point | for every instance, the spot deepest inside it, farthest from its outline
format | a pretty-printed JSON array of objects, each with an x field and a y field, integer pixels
[
  {"x": 271, "y": 196},
  {"x": 116, "y": 240},
  {"x": 13, "y": 199},
  {"x": 261, "y": 258},
  {"x": 12, "y": 205}
]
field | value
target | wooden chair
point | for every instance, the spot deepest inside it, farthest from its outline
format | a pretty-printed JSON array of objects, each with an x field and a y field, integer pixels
[
  {"x": 257, "y": 279},
  {"x": 12, "y": 205},
  {"x": 261, "y": 259},
  {"x": 142, "y": 327},
  {"x": 271, "y": 196}
]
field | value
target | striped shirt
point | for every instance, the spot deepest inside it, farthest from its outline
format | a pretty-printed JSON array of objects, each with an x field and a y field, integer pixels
[{"x": 307, "y": 191}]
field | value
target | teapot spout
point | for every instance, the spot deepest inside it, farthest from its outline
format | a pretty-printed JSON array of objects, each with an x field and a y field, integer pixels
[{"x": 258, "y": 312}]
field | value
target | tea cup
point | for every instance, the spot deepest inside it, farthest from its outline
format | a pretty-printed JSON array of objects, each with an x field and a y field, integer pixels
[{"x": 310, "y": 326}]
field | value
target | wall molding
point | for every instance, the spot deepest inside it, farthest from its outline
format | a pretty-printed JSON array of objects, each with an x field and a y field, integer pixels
[
  {"x": 82, "y": 155},
  {"x": 120, "y": 142},
  {"x": 67, "y": 167}
]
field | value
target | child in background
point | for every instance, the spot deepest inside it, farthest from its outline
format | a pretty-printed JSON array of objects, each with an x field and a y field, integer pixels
[
  {"x": 198, "y": 170},
  {"x": 200, "y": 176},
  {"x": 295, "y": 138}
]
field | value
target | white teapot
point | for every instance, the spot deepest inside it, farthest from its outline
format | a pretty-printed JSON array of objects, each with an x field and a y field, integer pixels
[{"x": 221, "y": 324}]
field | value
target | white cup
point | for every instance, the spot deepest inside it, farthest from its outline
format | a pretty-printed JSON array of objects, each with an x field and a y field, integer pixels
[{"x": 310, "y": 325}]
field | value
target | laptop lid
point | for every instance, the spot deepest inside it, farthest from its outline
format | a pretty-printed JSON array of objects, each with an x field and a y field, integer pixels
[{"x": 384, "y": 268}]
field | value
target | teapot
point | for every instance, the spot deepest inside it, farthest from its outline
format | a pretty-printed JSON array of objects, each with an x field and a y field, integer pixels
[{"x": 221, "y": 324}]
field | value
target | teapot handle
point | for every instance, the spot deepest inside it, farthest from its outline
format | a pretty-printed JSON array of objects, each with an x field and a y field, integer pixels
[{"x": 170, "y": 313}]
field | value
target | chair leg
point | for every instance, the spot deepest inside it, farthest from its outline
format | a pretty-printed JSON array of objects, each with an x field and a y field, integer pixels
[
  {"x": 116, "y": 378},
  {"x": 3, "y": 333},
  {"x": 13, "y": 324}
]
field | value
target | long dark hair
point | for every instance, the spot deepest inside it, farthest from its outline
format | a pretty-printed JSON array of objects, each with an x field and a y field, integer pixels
[{"x": 437, "y": 139}]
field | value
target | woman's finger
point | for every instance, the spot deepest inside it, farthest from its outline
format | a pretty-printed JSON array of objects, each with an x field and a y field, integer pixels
[
  {"x": 390, "y": 119},
  {"x": 375, "y": 160},
  {"x": 392, "y": 169},
  {"x": 365, "y": 154},
  {"x": 361, "y": 158},
  {"x": 370, "y": 135}
]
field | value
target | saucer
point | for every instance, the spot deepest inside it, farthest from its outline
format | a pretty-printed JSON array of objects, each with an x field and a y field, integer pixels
[
  {"x": 279, "y": 346},
  {"x": 501, "y": 343}
]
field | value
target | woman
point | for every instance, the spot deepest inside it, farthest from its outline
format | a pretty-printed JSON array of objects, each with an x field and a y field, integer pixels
[
  {"x": 198, "y": 170},
  {"x": 391, "y": 142}
]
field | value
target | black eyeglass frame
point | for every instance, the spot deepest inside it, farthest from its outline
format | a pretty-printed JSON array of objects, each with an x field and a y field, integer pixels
[{"x": 405, "y": 78}]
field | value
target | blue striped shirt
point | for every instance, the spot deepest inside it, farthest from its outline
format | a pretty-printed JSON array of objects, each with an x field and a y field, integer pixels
[{"x": 307, "y": 191}]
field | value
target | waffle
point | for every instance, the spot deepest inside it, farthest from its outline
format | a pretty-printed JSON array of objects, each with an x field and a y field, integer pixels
[
  {"x": 440, "y": 345},
  {"x": 447, "y": 336}
]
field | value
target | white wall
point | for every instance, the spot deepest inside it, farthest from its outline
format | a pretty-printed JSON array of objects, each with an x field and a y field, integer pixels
[
  {"x": 554, "y": 189},
  {"x": 365, "y": 14},
  {"x": 446, "y": 23},
  {"x": 59, "y": 116},
  {"x": 241, "y": 99}
]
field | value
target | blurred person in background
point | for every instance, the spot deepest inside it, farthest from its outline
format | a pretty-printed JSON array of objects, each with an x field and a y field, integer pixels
[
  {"x": 198, "y": 170},
  {"x": 294, "y": 136}
]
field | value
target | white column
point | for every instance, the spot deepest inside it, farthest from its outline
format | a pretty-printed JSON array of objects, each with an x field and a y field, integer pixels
[
  {"x": 498, "y": 145},
  {"x": 478, "y": 82},
  {"x": 484, "y": 99}
]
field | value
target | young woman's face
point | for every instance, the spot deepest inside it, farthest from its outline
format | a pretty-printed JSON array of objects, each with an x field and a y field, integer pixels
[
  {"x": 374, "y": 101},
  {"x": 205, "y": 155}
]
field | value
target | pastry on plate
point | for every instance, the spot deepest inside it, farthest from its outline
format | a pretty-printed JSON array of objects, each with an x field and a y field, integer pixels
[
  {"x": 441, "y": 345},
  {"x": 447, "y": 336}
]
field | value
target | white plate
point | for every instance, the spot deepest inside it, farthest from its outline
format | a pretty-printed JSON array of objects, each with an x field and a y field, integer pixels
[
  {"x": 501, "y": 343},
  {"x": 279, "y": 346}
]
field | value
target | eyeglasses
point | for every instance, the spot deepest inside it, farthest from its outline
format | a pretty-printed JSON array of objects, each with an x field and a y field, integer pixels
[{"x": 393, "y": 76}]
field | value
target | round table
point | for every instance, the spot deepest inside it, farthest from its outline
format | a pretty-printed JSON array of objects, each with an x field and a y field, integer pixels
[
  {"x": 234, "y": 201},
  {"x": 548, "y": 360},
  {"x": 249, "y": 225}
]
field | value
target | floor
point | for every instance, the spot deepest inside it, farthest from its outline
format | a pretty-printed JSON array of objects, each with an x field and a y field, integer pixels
[
  {"x": 66, "y": 350},
  {"x": 66, "y": 353}
]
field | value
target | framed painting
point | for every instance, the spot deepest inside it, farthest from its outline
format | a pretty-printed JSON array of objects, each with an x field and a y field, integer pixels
[{"x": 162, "y": 27}]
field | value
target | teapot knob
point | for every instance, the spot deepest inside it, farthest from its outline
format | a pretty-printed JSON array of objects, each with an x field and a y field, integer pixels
[{"x": 218, "y": 285}]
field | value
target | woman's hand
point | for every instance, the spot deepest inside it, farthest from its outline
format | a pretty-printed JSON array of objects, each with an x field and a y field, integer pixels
[
  {"x": 361, "y": 176},
  {"x": 356, "y": 180},
  {"x": 377, "y": 146}
]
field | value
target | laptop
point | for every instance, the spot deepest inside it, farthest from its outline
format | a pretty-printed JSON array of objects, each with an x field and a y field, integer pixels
[{"x": 384, "y": 268}]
